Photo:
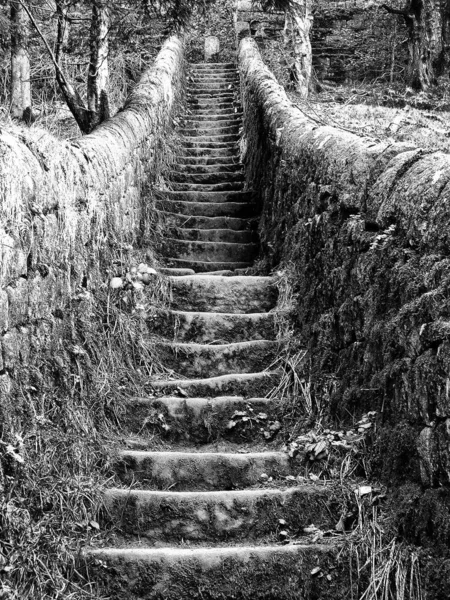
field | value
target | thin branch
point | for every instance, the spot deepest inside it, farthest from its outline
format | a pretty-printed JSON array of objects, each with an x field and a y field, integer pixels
[
  {"x": 395, "y": 11},
  {"x": 47, "y": 45}
]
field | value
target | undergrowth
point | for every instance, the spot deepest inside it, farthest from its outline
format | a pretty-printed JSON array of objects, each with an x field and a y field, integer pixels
[
  {"x": 55, "y": 433},
  {"x": 340, "y": 455}
]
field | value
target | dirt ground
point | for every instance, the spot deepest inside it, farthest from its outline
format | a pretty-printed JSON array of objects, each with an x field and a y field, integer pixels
[{"x": 383, "y": 113}]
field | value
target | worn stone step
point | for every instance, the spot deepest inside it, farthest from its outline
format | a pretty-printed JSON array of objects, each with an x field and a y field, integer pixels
[
  {"x": 214, "y": 138},
  {"x": 209, "y": 251},
  {"x": 194, "y": 360},
  {"x": 213, "y": 104},
  {"x": 241, "y": 210},
  {"x": 216, "y": 235},
  {"x": 214, "y": 67},
  {"x": 186, "y": 167},
  {"x": 201, "y": 144},
  {"x": 213, "y": 327},
  {"x": 211, "y": 112},
  {"x": 211, "y": 151},
  {"x": 211, "y": 130},
  {"x": 215, "y": 516},
  {"x": 195, "y": 120},
  {"x": 203, "y": 74},
  {"x": 217, "y": 87},
  {"x": 197, "y": 420},
  {"x": 202, "y": 471},
  {"x": 245, "y": 384},
  {"x": 175, "y": 272},
  {"x": 212, "y": 121},
  {"x": 201, "y": 115},
  {"x": 212, "y": 178},
  {"x": 207, "y": 85},
  {"x": 210, "y": 197},
  {"x": 225, "y": 573},
  {"x": 209, "y": 161},
  {"x": 232, "y": 186},
  {"x": 222, "y": 82},
  {"x": 172, "y": 220},
  {"x": 237, "y": 295},
  {"x": 208, "y": 267},
  {"x": 213, "y": 98}
]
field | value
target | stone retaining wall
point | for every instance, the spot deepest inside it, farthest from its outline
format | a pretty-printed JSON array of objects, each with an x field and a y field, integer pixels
[
  {"x": 63, "y": 205},
  {"x": 365, "y": 226}
]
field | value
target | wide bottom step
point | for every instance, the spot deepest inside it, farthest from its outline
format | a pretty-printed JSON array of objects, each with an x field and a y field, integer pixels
[{"x": 293, "y": 572}]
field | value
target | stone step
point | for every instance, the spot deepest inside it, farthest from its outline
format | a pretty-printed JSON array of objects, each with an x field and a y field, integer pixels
[
  {"x": 222, "y": 82},
  {"x": 202, "y": 74},
  {"x": 213, "y": 104},
  {"x": 236, "y": 295},
  {"x": 194, "y": 360},
  {"x": 214, "y": 67},
  {"x": 198, "y": 222},
  {"x": 195, "y": 121},
  {"x": 219, "y": 120},
  {"x": 197, "y": 420},
  {"x": 208, "y": 267},
  {"x": 208, "y": 85},
  {"x": 215, "y": 138},
  {"x": 211, "y": 112},
  {"x": 176, "y": 272},
  {"x": 209, "y": 161},
  {"x": 229, "y": 573},
  {"x": 201, "y": 471},
  {"x": 201, "y": 144},
  {"x": 186, "y": 167},
  {"x": 210, "y": 197},
  {"x": 213, "y": 327},
  {"x": 211, "y": 151},
  {"x": 237, "y": 186},
  {"x": 216, "y": 177},
  {"x": 205, "y": 76},
  {"x": 218, "y": 515},
  {"x": 245, "y": 384},
  {"x": 197, "y": 91},
  {"x": 211, "y": 130},
  {"x": 217, "y": 235},
  {"x": 209, "y": 251},
  {"x": 241, "y": 210}
]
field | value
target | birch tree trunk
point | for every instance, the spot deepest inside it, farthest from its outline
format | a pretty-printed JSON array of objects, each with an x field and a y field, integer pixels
[
  {"x": 98, "y": 77},
  {"x": 20, "y": 64},
  {"x": 428, "y": 24},
  {"x": 297, "y": 42}
]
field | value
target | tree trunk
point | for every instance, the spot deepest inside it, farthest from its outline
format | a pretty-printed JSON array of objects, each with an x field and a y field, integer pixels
[
  {"x": 98, "y": 77},
  {"x": 71, "y": 95},
  {"x": 428, "y": 24},
  {"x": 20, "y": 64},
  {"x": 298, "y": 23}
]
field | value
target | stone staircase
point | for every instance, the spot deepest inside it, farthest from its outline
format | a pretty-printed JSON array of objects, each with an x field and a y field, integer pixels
[{"x": 203, "y": 500}]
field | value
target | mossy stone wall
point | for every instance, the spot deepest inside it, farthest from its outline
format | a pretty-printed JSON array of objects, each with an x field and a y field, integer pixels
[
  {"x": 364, "y": 226},
  {"x": 64, "y": 206}
]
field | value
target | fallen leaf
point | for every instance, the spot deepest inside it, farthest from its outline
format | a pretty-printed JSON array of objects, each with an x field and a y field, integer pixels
[{"x": 363, "y": 490}]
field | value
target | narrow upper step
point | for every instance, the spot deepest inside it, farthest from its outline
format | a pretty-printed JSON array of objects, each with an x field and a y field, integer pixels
[
  {"x": 224, "y": 294},
  {"x": 245, "y": 384},
  {"x": 200, "y": 420},
  {"x": 204, "y": 222},
  {"x": 201, "y": 471},
  {"x": 193, "y": 360},
  {"x": 210, "y": 251}
]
